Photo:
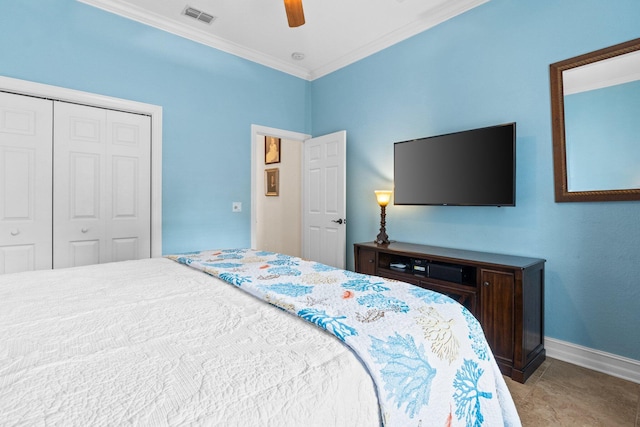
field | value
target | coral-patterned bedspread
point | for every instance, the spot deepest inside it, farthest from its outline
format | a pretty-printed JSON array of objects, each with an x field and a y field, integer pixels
[{"x": 425, "y": 352}]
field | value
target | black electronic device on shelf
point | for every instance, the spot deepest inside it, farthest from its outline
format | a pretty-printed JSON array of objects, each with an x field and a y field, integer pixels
[
  {"x": 449, "y": 272},
  {"x": 420, "y": 266}
]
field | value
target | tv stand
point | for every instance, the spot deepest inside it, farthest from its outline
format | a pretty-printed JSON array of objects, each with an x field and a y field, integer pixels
[{"x": 505, "y": 293}]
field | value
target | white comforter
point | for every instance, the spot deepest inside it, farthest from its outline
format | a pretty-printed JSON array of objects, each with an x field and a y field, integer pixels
[{"x": 151, "y": 342}]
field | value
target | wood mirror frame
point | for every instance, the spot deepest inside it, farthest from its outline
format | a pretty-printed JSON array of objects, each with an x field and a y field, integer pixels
[{"x": 562, "y": 193}]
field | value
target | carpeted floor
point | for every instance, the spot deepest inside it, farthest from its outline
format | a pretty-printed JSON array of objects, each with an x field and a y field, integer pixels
[{"x": 562, "y": 394}]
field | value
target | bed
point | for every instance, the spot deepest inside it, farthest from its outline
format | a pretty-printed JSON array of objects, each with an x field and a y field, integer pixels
[{"x": 239, "y": 337}]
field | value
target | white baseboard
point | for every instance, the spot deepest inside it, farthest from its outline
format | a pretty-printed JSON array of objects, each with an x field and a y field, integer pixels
[{"x": 607, "y": 363}]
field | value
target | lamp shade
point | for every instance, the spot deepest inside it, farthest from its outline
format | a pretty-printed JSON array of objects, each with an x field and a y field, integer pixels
[{"x": 383, "y": 197}]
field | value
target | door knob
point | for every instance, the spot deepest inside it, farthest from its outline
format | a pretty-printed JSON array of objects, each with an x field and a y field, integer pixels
[
  {"x": 15, "y": 232},
  {"x": 84, "y": 230},
  {"x": 339, "y": 221}
]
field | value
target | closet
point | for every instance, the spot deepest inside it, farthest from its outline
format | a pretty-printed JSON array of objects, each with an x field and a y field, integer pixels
[{"x": 75, "y": 184}]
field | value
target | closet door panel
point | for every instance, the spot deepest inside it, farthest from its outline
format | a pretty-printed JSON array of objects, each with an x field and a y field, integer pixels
[
  {"x": 84, "y": 186},
  {"x": 17, "y": 258},
  {"x": 79, "y": 185},
  {"x": 25, "y": 183},
  {"x": 125, "y": 248},
  {"x": 103, "y": 176},
  {"x": 84, "y": 252},
  {"x": 129, "y": 175}
]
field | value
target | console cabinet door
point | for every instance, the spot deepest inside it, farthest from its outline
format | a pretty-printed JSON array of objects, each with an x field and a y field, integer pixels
[
  {"x": 366, "y": 260},
  {"x": 497, "y": 312}
]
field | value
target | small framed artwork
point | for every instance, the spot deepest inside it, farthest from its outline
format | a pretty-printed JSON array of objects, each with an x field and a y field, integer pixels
[
  {"x": 271, "y": 150},
  {"x": 272, "y": 181}
]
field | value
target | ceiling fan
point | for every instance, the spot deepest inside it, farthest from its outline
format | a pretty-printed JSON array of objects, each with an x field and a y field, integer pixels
[{"x": 295, "y": 15}]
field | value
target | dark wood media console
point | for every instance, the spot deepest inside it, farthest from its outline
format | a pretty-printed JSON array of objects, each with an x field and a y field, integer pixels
[{"x": 505, "y": 293}]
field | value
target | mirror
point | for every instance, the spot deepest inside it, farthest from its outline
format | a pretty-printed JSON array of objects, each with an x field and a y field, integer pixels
[{"x": 595, "y": 110}]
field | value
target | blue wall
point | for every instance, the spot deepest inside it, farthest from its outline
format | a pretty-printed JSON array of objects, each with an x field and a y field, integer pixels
[
  {"x": 486, "y": 67},
  {"x": 209, "y": 99}
]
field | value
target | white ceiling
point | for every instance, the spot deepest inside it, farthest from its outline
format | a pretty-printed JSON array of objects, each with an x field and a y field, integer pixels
[{"x": 336, "y": 33}]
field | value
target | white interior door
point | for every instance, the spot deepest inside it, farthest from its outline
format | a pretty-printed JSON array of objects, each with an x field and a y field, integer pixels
[
  {"x": 25, "y": 183},
  {"x": 324, "y": 199},
  {"x": 101, "y": 186}
]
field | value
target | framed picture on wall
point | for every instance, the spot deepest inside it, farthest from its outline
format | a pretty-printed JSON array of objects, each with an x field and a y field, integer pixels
[
  {"x": 272, "y": 181},
  {"x": 271, "y": 150}
]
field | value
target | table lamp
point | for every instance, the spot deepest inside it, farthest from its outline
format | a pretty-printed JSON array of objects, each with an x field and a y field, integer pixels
[{"x": 383, "y": 197}]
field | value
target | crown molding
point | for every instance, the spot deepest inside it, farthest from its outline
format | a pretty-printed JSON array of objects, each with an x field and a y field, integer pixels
[
  {"x": 434, "y": 17},
  {"x": 193, "y": 34}
]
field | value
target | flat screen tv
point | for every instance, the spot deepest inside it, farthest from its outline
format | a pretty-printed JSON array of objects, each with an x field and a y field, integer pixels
[{"x": 470, "y": 168}]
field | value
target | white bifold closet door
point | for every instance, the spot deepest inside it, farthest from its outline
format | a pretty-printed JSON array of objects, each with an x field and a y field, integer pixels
[
  {"x": 102, "y": 185},
  {"x": 25, "y": 183},
  {"x": 75, "y": 184}
]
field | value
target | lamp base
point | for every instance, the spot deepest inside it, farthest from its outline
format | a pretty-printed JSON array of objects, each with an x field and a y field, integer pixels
[{"x": 382, "y": 238}]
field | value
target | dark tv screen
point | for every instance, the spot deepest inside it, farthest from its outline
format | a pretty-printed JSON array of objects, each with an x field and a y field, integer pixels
[{"x": 469, "y": 168}]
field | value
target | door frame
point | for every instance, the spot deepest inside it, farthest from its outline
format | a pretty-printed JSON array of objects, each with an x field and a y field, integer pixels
[
  {"x": 56, "y": 93},
  {"x": 257, "y": 132}
]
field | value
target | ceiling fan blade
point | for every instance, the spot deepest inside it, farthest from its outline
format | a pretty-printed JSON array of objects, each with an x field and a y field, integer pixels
[{"x": 295, "y": 14}]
